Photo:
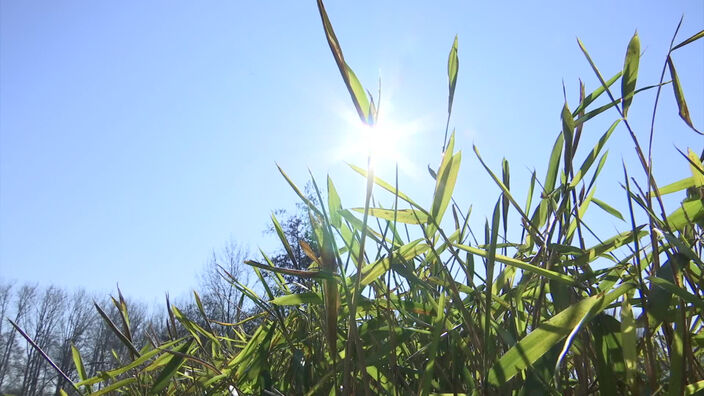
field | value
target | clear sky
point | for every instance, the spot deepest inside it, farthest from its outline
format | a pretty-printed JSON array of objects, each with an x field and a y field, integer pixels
[{"x": 136, "y": 137}]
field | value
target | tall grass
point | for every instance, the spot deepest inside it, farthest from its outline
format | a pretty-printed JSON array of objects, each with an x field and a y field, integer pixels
[{"x": 402, "y": 304}]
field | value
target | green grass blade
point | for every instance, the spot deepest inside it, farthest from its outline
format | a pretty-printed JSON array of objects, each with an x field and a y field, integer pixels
[
  {"x": 284, "y": 241},
  {"x": 490, "y": 261},
  {"x": 677, "y": 358},
  {"x": 506, "y": 180},
  {"x": 697, "y": 168},
  {"x": 171, "y": 369},
  {"x": 676, "y": 186},
  {"x": 520, "y": 264},
  {"x": 117, "y": 331},
  {"x": 605, "y": 331},
  {"x": 334, "y": 205},
  {"x": 549, "y": 333},
  {"x": 553, "y": 166},
  {"x": 690, "y": 212},
  {"x": 684, "y": 294},
  {"x": 692, "y": 389},
  {"x": 568, "y": 135},
  {"x": 114, "y": 386},
  {"x": 406, "y": 216},
  {"x": 438, "y": 326},
  {"x": 592, "y": 155},
  {"x": 43, "y": 354},
  {"x": 298, "y": 299},
  {"x": 607, "y": 246},
  {"x": 580, "y": 213},
  {"x": 630, "y": 72},
  {"x": 193, "y": 327},
  {"x": 388, "y": 187},
  {"x": 694, "y": 37},
  {"x": 505, "y": 190},
  {"x": 608, "y": 208},
  {"x": 300, "y": 194},
  {"x": 201, "y": 310},
  {"x": 373, "y": 271},
  {"x": 135, "y": 363},
  {"x": 453, "y": 64},
  {"x": 529, "y": 197},
  {"x": 593, "y": 113},
  {"x": 78, "y": 362},
  {"x": 679, "y": 96},
  {"x": 354, "y": 87},
  {"x": 595, "y": 94},
  {"x": 288, "y": 271},
  {"x": 445, "y": 183},
  {"x": 628, "y": 335}
]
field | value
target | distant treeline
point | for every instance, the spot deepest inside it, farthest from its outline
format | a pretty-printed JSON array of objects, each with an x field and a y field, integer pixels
[{"x": 57, "y": 319}]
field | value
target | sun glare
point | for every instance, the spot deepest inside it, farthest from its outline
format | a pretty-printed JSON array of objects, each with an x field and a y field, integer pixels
[
  {"x": 381, "y": 141},
  {"x": 387, "y": 142}
]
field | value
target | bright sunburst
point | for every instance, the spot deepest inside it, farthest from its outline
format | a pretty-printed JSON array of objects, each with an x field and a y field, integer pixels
[{"x": 387, "y": 142}]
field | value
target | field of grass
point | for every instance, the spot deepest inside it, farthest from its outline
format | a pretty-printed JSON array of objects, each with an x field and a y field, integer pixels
[{"x": 411, "y": 300}]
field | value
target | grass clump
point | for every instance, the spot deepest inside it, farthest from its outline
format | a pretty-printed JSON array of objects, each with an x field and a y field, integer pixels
[{"x": 411, "y": 300}]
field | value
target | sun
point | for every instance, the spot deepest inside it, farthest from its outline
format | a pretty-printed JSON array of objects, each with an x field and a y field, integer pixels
[
  {"x": 387, "y": 143},
  {"x": 381, "y": 141}
]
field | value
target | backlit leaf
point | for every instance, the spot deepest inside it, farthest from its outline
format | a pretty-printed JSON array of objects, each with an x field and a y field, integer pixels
[
  {"x": 357, "y": 92},
  {"x": 549, "y": 333},
  {"x": 407, "y": 216},
  {"x": 453, "y": 64},
  {"x": 630, "y": 72},
  {"x": 679, "y": 96},
  {"x": 297, "y": 299}
]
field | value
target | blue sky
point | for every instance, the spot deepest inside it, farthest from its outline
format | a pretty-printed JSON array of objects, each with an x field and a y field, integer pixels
[{"x": 136, "y": 137}]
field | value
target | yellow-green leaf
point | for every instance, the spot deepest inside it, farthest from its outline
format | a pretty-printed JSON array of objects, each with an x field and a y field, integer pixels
[
  {"x": 445, "y": 183},
  {"x": 676, "y": 186},
  {"x": 114, "y": 386},
  {"x": 519, "y": 264},
  {"x": 628, "y": 336},
  {"x": 408, "y": 251},
  {"x": 694, "y": 37},
  {"x": 608, "y": 208},
  {"x": 297, "y": 299},
  {"x": 453, "y": 64},
  {"x": 697, "y": 168},
  {"x": 690, "y": 212},
  {"x": 548, "y": 334},
  {"x": 334, "y": 204},
  {"x": 406, "y": 216},
  {"x": 630, "y": 72},
  {"x": 679, "y": 96},
  {"x": 691, "y": 389},
  {"x": 171, "y": 368},
  {"x": 357, "y": 93},
  {"x": 593, "y": 154}
]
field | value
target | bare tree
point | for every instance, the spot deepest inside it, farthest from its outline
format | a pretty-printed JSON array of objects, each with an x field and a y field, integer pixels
[
  {"x": 46, "y": 317},
  {"x": 101, "y": 340},
  {"x": 5, "y": 297},
  {"x": 297, "y": 229},
  {"x": 24, "y": 300},
  {"x": 220, "y": 296},
  {"x": 72, "y": 332}
]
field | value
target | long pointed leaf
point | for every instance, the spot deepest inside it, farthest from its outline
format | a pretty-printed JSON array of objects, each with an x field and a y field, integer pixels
[
  {"x": 630, "y": 72},
  {"x": 549, "y": 333}
]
